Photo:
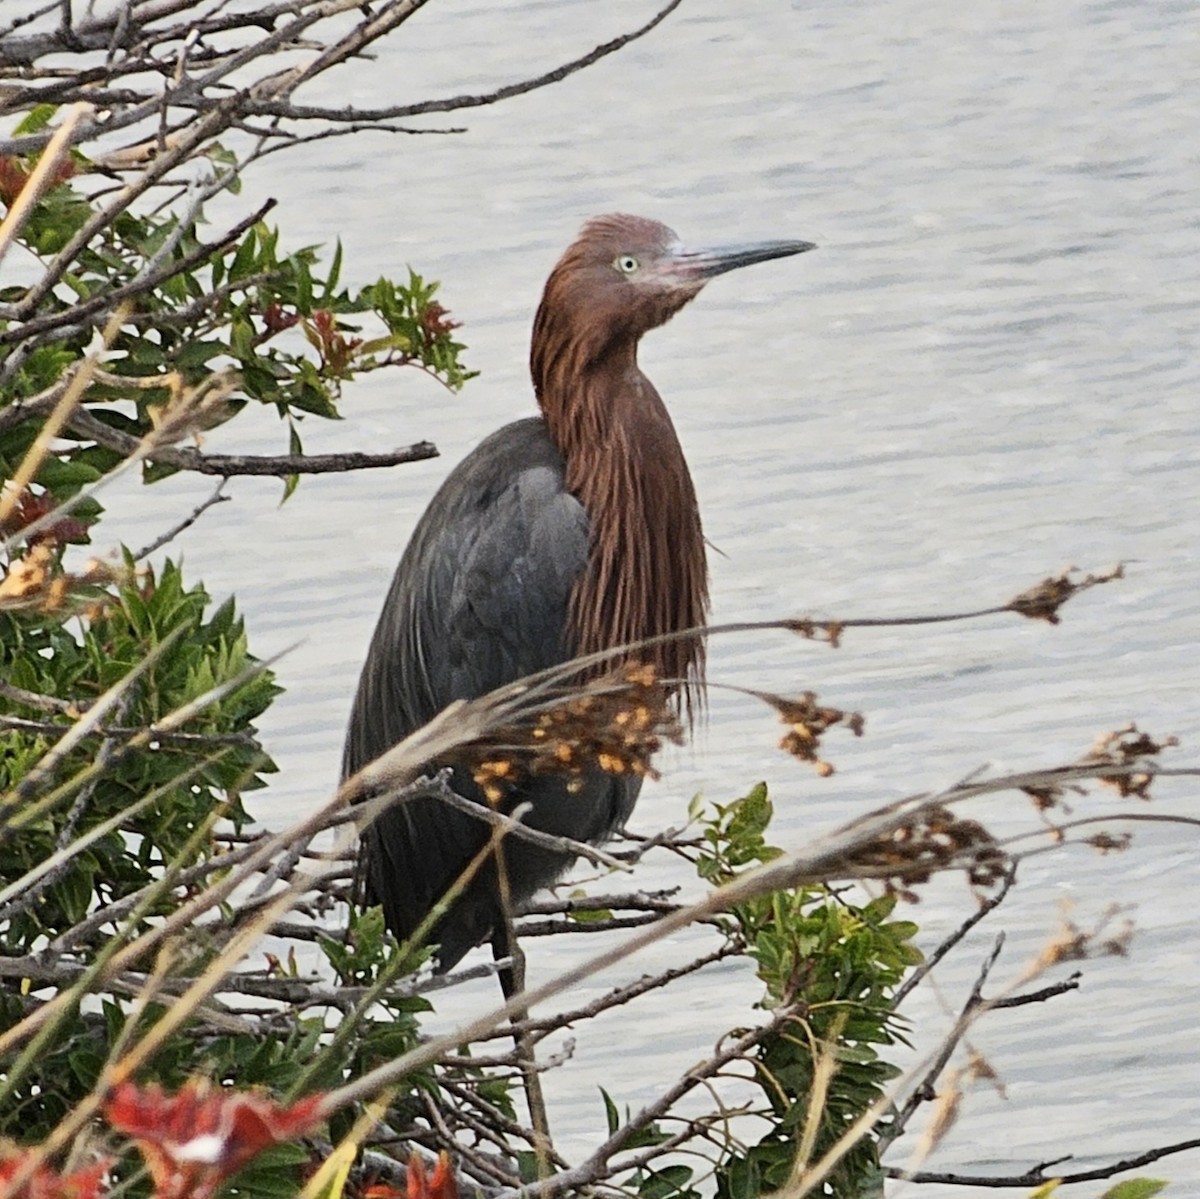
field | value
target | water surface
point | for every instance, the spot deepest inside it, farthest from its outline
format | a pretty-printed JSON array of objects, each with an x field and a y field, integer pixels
[{"x": 986, "y": 373}]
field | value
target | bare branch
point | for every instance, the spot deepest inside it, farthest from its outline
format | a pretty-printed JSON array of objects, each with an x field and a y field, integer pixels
[
  {"x": 301, "y": 112},
  {"x": 227, "y": 465},
  {"x": 1040, "y": 1174},
  {"x": 216, "y": 498},
  {"x": 924, "y": 1091},
  {"x": 989, "y": 905}
]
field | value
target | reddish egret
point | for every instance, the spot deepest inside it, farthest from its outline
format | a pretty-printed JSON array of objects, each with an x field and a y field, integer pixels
[{"x": 560, "y": 535}]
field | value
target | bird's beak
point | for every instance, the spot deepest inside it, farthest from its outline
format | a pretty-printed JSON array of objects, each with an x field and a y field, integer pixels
[{"x": 698, "y": 266}]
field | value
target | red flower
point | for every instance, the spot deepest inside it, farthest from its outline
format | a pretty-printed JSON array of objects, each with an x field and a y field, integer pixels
[
  {"x": 441, "y": 1186},
  {"x": 194, "y": 1140},
  {"x": 45, "y": 1183}
]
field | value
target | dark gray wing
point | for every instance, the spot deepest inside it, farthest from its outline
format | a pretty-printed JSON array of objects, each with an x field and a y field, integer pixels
[
  {"x": 479, "y": 599},
  {"x": 480, "y": 595}
]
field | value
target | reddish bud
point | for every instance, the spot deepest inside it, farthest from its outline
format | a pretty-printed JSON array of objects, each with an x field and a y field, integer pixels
[
  {"x": 14, "y": 176},
  {"x": 435, "y": 321},
  {"x": 276, "y": 319}
]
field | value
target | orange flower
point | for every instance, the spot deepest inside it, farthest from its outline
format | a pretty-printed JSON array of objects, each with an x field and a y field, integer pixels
[
  {"x": 194, "y": 1140},
  {"x": 45, "y": 1183}
]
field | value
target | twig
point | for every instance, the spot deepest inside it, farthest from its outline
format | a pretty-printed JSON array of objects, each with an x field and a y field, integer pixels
[
  {"x": 186, "y": 523},
  {"x": 599, "y": 1166},
  {"x": 924, "y": 1089},
  {"x": 1071, "y": 983},
  {"x": 257, "y": 100},
  {"x": 44, "y": 703},
  {"x": 989, "y": 905},
  {"x": 226, "y": 465},
  {"x": 620, "y": 996},
  {"x": 107, "y": 298},
  {"x": 1038, "y": 1175},
  {"x": 438, "y": 787},
  {"x": 50, "y": 727},
  {"x": 552, "y": 928},
  {"x": 299, "y": 112}
]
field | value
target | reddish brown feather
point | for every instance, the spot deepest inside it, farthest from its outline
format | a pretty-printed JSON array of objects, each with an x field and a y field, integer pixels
[{"x": 647, "y": 571}]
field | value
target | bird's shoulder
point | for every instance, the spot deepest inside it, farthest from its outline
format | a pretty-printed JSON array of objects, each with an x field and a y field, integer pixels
[
  {"x": 489, "y": 571},
  {"x": 504, "y": 507}
]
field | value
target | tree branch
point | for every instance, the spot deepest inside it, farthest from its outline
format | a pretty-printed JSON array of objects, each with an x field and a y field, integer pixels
[
  {"x": 108, "y": 299},
  {"x": 989, "y": 905},
  {"x": 227, "y": 465},
  {"x": 216, "y": 498},
  {"x": 1039, "y": 1175},
  {"x": 301, "y": 112}
]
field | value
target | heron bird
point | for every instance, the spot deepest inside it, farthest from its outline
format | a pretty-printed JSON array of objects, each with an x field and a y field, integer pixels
[{"x": 562, "y": 534}]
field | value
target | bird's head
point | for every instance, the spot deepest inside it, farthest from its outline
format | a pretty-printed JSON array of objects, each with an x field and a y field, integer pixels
[{"x": 624, "y": 275}]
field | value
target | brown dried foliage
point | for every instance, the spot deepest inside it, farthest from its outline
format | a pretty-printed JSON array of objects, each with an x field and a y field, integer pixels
[
  {"x": 807, "y": 721},
  {"x": 1043, "y": 600},
  {"x": 31, "y": 507},
  {"x": 814, "y": 630},
  {"x": 436, "y": 322},
  {"x": 617, "y": 724},
  {"x": 934, "y": 840},
  {"x": 1127, "y": 747},
  {"x": 1074, "y": 944},
  {"x": 37, "y": 581}
]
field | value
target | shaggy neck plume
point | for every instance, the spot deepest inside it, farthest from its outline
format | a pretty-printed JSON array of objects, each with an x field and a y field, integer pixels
[{"x": 647, "y": 573}]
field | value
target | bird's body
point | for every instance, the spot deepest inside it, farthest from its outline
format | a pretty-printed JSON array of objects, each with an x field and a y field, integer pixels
[
  {"x": 475, "y": 605},
  {"x": 559, "y": 535}
]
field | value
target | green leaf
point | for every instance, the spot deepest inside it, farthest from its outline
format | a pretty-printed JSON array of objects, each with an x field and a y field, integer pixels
[
  {"x": 291, "y": 482},
  {"x": 227, "y": 160},
  {"x": 335, "y": 273},
  {"x": 243, "y": 259},
  {"x": 65, "y": 474},
  {"x": 304, "y": 287},
  {"x": 393, "y": 341},
  {"x": 39, "y": 117},
  {"x": 667, "y": 1182},
  {"x": 1135, "y": 1188},
  {"x": 193, "y": 354},
  {"x": 611, "y": 1115}
]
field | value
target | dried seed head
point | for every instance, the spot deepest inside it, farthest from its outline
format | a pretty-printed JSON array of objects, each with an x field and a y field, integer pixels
[
  {"x": 1127, "y": 747},
  {"x": 807, "y": 721},
  {"x": 616, "y": 724},
  {"x": 1043, "y": 600},
  {"x": 934, "y": 840}
]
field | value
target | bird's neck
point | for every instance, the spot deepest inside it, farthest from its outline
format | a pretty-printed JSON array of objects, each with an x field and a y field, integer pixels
[{"x": 647, "y": 572}]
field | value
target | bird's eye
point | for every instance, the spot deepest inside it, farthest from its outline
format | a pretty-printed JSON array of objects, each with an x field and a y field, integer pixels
[{"x": 626, "y": 264}]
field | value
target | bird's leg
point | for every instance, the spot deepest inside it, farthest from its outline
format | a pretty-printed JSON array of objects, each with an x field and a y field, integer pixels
[
  {"x": 512, "y": 982},
  {"x": 504, "y": 947}
]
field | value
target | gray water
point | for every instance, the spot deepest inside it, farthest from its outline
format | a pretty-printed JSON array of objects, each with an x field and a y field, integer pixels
[{"x": 986, "y": 373}]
